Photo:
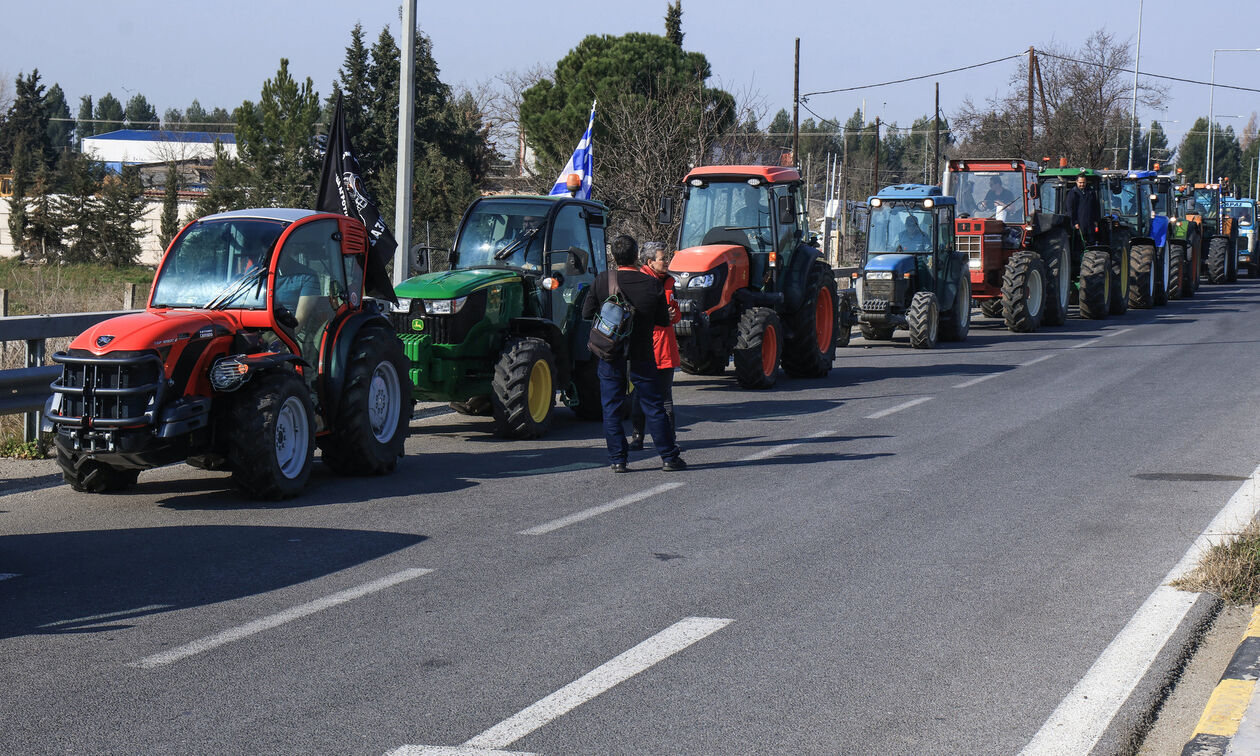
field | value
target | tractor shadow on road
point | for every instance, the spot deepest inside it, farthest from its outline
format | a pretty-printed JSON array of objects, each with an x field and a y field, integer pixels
[{"x": 100, "y": 580}]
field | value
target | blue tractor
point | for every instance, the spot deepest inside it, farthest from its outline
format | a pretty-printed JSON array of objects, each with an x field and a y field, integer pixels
[
  {"x": 1243, "y": 212},
  {"x": 913, "y": 276}
]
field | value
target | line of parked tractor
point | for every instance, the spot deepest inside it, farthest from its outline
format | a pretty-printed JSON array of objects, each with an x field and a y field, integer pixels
[{"x": 268, "y": 333}]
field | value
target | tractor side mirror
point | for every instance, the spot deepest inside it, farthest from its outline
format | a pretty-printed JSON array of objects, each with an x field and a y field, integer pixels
[
  {"x": 1032, "y": 191},
  {"x": 787, "y": 207},
  {"x": 419, "y": 260},
  {"x": 665, "y": 215}
]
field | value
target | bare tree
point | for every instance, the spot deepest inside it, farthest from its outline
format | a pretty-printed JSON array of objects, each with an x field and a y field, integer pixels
[{"x": 499, "y": 101}]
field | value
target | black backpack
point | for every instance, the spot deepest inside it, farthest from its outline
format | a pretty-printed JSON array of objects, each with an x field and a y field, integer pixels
[{"x": 613, "y": 323}]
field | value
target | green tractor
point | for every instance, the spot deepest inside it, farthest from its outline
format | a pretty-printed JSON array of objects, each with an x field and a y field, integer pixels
[
  {"x": 1220, "y": 233},
  {"x": 501, "y": 331},
  {"x": 1186, "y": 234}
]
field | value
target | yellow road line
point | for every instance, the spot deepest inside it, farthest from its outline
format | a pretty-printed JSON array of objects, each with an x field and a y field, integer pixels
[
  {"x": 1253, "y": 627},
  {"x": 1225, "y": 708}
]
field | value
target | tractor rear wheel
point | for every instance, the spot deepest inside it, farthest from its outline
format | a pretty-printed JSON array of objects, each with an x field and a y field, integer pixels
[
  {"x": 1024, "y": 292},
  {"x": 872, "y": 332},
  {"x": 992, "y": 308},
  {"x": 844, "y": 322},
  {"x": 1142, "y": 280},
  {"x": 1095, "y": 285},
  {"x": 759, "y": 348},
  {"x": 373, "y": 414},
  {"x": 1191, "y": 269},
  {"x": 923, "y": 319},
  {"x": 1176, "y": 270},
  {"x": 524, "y": 388},
  {"x": 1218, "y": 260},
  {"x": 271, "y": 439},
  {"x": 1059, "y": 278},
  {"x": 1163, "y": 272},
  {"x": 1231, "y": 261},
  {"x": 586, "y": 381},
  {"x": 89, "y": 475},
  {"x": 811, "y": 348},
  {"x": 958, "y": 322}
]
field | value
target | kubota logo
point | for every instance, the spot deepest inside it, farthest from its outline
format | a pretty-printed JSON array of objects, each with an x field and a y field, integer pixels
[{"x": 103, "y": 340}]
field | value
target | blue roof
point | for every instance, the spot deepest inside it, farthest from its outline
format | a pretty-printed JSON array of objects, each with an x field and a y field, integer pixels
[
  {"x": 915, "y": 191},
  {"x": 1142, "y": 174},
  {"x": 153, "y": 135}
]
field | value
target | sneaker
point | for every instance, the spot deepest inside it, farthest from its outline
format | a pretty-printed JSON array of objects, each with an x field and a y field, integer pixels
[
  {"x": 674, "y": 465},
  {"x": 636, "y": 442},
  {"x": 620, "y": 467}
]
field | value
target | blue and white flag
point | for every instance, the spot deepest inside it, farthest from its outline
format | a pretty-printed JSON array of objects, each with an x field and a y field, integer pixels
[{"x": 582, "y": 163}]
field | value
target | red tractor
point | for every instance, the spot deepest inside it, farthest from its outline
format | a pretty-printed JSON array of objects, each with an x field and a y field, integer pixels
[
  {"x": 748, "y": 283},
  {"x": 256, "y": 346},
  {"x": 1019, "y": 257}
]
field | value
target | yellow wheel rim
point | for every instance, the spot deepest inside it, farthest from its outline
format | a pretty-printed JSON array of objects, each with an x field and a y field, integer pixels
[{"x": 541, "y": 395}]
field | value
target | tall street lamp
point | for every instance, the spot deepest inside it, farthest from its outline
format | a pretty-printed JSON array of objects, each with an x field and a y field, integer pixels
[{"x": 1207, "y": 179}]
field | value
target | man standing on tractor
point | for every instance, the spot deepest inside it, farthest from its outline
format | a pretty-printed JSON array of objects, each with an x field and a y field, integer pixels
[
  {"x": 647, "y": 296},
  {"x": 1082, "y": 208}
]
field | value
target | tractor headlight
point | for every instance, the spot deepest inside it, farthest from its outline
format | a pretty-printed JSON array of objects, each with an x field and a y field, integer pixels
[
  {"x": 879, "y": 275},
  {"x": 228, "y": 374},
  {"x": 974, "y": 263},
  {"x": 444, "y": 306},
  {"x": 700, "y": 282}
]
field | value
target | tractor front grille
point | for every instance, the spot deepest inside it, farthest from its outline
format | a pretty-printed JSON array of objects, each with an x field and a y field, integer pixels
[
  {"x": 875, "y": 305},
  {"x": 112, "y": 391},
  {"x": 971, "y": 244},
  {"x": 877, "y": 290},
  {"x": 443, "y": 329}
]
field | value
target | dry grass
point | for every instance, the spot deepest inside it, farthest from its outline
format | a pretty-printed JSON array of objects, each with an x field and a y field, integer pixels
[{"x": 1230, "y": 570}]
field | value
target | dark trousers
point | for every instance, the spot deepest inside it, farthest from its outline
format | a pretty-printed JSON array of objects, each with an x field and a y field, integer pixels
[
  {"x": 612, "y": 391},
  {"x": 1086, "y": 233},
  {"x": 664, "y": 382}
]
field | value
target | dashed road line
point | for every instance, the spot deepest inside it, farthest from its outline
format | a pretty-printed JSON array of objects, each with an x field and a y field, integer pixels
[
  {"x": 1116, "y": 333},
  {"x": 234, "y": 634},
  {"x": 980, "y": 379},
  {"x": 586, "y": 514},
  {"x": 110, "y": 615},
  {"x": 650, "y": 652},
  {"x": 1042, "y": 358},
  {"x": 898, "y": 408}
]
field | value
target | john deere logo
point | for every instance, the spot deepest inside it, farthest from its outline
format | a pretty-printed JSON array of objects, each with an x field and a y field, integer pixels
[
  {"x": 103, "y": 340},
  {"x": 417, "y": 324}
]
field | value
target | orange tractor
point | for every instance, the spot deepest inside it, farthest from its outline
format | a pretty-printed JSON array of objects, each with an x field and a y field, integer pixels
[{"x": 749, "y": 284}]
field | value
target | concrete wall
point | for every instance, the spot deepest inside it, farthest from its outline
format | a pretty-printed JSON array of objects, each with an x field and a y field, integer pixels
[{"x": 150, "y": 250}]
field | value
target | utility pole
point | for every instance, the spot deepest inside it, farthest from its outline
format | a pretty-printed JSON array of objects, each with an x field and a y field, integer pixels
[
  {"x": 406, "y": 125},
  {"x": 936, "y": 146},
  {"x": 1133, "y": 121},
  {"x": 876, "y": 156},
  {"x": 1028, "y": 151},
  {"x": 844, "y": 199},
  {"x": 796, "y": 106}
]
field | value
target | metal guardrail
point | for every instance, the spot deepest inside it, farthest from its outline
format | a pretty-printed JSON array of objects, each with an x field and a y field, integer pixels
[{"x": 25, "y": 389}]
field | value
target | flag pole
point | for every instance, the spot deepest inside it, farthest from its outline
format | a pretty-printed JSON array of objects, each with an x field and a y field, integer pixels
[{"x": 406, "y": 125}]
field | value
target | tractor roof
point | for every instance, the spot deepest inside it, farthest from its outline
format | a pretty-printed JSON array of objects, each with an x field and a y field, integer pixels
[
  {"x": 771, "y": 174},
  {"x": 914, "y": 192},
  {"x": 552, "y": 198},
  {"x": 286, "y": 214},
  {"x": 1070, "y": 172},
  {"x": 993, "y": 164},
  {"x": 1141, "y": 174}
]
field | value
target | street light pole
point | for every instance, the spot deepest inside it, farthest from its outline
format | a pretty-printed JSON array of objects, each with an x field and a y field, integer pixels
[
  {"x": 406, "y": 127},
  {"x": 1133, "y": 120},
  {"x": 1211, "y": 155}
]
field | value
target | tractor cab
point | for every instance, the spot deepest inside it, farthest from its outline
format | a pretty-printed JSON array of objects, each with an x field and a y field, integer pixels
[
  {"x": 1126, "y": 196},
  {"x": 1242, "y": 214}
]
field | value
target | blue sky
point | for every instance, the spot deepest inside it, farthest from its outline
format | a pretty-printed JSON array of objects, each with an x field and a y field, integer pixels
[{"x": 220, "y": 52}]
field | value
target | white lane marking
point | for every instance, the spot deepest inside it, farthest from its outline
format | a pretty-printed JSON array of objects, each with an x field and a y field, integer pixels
[
  {"x": 7, "y": 575},
  {"x": 766, "y": 453},
  {"x": 979, "y": 379},
  {"x": 96, "y": 617},
  {"x": 821, "y": 434},
  {"x": 656, "y": 649},
  {"x": 275, "y": 620},
  {"x": 898, "y": 408},
  {"x": 1116, "y": 333},
  {"x": 1042, "y": 358},
  {"x": 1084, "y": 714},
  {"x": 1091, "y": 342},
  {"x": 418, "y": 750},
  {"x": 586, "y": 514}
]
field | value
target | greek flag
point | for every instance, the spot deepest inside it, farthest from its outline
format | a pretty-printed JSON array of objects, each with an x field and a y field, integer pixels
[{"x": 582, "y": 163}]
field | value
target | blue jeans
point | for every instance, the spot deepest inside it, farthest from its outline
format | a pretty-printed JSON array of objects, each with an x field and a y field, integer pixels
[{"x": 612, "y": 391}]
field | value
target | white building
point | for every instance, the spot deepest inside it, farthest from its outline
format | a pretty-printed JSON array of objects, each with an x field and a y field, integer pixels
[{"x": 148, "y": 147}]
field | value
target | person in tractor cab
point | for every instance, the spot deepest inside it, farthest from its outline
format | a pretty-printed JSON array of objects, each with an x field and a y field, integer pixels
[
  {"x": 647, "y": 296},
  {"x": 997, "y": 198},
  {"x": 1082, "y": 208},
  {"x": 912, "y": 238},
  {"x": 664, "y": 344}
]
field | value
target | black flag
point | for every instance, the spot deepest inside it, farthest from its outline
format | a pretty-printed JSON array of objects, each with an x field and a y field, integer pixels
[{"x": 341, "y": 190}]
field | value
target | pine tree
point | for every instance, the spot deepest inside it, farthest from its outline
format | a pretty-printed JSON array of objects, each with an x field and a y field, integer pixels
[
  {"x": 78, "y": 208},
  {"x": 196, "y": 117},
  {"x": 109, "y": 114},
  {"x": 60, "y": 129},
  {"x": 229, "y": 187},
  {"x": 274, "y": 140},
  {"x": 27, "y": 124},
  {"x": 673, "y": 23},
  {"x": 140, "y": 114},
  {"x": 21, "y": 166},
  {"x": 42, "y": 240},
  {"x": 84, "y": 127},
  {"x": 170, "y": 207},
  {"x": 121, "y": 210}
]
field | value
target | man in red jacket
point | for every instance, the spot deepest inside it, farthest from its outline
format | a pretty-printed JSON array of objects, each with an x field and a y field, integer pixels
[{"x": 664, "y": 342}]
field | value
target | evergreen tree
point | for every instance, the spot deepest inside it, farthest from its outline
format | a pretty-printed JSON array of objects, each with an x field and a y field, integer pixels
[
  {"x": 60, "y": 126},
  {"x": 170, "y": 207},
  {"x": 228, "y": 189},
  {"x": 196, "y": 117},
  {"x": 27, "y": 124},
  {"x": 220, "y": 120},
  {"x": 109, "y": 114},
  {"x": 119, "y": 228},
  {"x": 140, "y": 114},
  {"x": 354, "y": 86},
  {"x": 42, "y": 240},
  {"x": 673, "y": 23},
  {"x": 78, "y": 207},
  {"x": 21, "y": 167},
  {"x": 173, "y": 120},
  {"x": 84, "y": 126},
  {"x": 1192, "y": 152},
  {"x": 1153, "y": 143},
  {"x": 275, "y": 140}
]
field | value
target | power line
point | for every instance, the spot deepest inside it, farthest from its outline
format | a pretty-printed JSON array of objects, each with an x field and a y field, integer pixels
[
  {"x": 914, "y": 78},
  {"x": 1144, "y": 73}
]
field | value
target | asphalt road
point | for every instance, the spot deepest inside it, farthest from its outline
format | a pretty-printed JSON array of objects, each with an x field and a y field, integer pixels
[{"x": 922, "y": 553}]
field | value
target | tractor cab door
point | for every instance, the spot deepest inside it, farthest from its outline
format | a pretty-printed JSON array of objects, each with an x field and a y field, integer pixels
[
  {"x": 571, "y": 258},
  {"x": 947, "y": 266},
  {"x": 310, "y": 285}
]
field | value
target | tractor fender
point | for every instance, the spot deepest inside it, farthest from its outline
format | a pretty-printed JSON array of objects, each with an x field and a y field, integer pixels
[
  {"x": 342, "y": 333},
  {"x": 547, "y": 331},
  {"x": 955, "y": 269},
  {"x": 268, "y": 360},
  {"x": 796, "y": 275}
]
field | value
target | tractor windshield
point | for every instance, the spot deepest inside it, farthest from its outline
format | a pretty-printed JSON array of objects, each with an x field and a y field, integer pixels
[
  {"x": 900, "y": 227},
  {"x": 503, "y": 233},
  {"x": 1127, "y": 199},
  {"x": 990, "y": 194},
  {"x": 727, "y": 212},
  {"x": 1244, "y": 214},
  {"x": 1161, "y": 204},
  {"x": 210, "y": 260},
  {"x": 1205, "y": 203}
]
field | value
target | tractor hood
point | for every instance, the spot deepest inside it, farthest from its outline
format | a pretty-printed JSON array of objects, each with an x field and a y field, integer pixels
[
  {"x": 897, "y": 263},
  {"x": 453, "y": 284},
  {"x": 152, "y": 330}
]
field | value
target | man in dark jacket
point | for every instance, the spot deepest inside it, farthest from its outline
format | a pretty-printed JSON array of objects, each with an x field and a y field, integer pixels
[
  {"x": 1082, "y": 208},
  {"x": 647, "y": 296}
]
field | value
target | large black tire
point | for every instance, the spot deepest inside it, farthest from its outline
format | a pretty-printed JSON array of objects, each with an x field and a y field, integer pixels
[
  {"x": 1191, "y": 270},
  {"x": 711, "y": 362},
  {"x": 923, "y": 319},
  {"x": 1218, "y": 260},
  {"x": 759, "y": 348},
  {"x": 1024, "y": 292},
  {"x": 586, "y": 380},
  {"x": 89, "y": 475},
  {"x": 1142, "y": 276},
  {"x": 1163, "y": 275},
  {"x": 524, "y": 389},
  {"x": 992, "y": 308},
  {"x": 844, "y": 322},
  {"x": 811, "y": 348},
  {"x": 1231, "y": 261},
  {"x": 1120, "y": 273},
  {"x": 372, "y": 420},
  {"x": 957, "y": 322},
  {"x": 1058, "y": 280},
  {"x": 1176, "y": 270},
  {"x": 872, "y": 332},
  {"x": 271, "y": 437},
  {"x": 1095, "y": 284}
]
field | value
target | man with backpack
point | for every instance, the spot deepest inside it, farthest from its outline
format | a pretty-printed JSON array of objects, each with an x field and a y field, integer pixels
[{"x": 626, "y": 349}]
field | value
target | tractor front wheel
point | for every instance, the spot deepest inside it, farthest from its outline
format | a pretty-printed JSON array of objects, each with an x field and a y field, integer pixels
[
  {"x": 1095, "y": 285},
  {"x": 1024, "y": 292},
  {"x": 1176, "y": 270},
  {"x": 923, "y": 319},
  {"x": 89, "y": 475},
  {"x": 524, "y": 389},
  {"x": 1059, "y": 276},
  {"x": 872, "y": 332},
  {"x": 991, "y": 308},
  {"x": 1142, "y": 280},
  {"x": 1120, "y": 273},
  {"x": 958, "y": 324},
  {"x": 759, "y": 348},
  {"x": 1218, "y": 260},
  {"x": 271, "y": 441},
  {"x": 371, "y": 422},
  {"x": 1163, "y": 276}
]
